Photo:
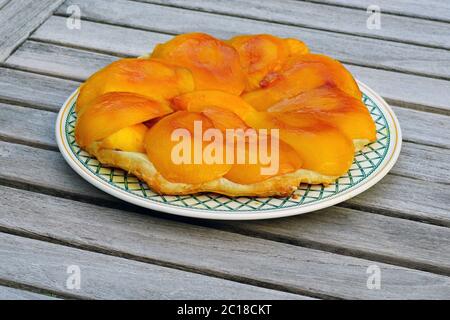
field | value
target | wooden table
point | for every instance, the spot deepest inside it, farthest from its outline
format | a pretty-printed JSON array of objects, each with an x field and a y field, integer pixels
[{"x": 53, "y": 222}]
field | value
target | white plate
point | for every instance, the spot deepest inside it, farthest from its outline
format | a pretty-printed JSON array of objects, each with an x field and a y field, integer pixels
[{"x": 370, "y": 165}]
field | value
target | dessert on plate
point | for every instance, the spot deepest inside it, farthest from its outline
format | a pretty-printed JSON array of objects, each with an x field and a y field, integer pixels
[{"x": 255, "y": 115}]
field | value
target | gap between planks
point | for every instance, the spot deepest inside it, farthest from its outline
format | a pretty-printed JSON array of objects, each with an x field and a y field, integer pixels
[
  {"x": 229, "y": 12},
  {"x": 13, "y": 36},
  {"x": 435, "y": 16},
  {"x": 34, "y": 292}
]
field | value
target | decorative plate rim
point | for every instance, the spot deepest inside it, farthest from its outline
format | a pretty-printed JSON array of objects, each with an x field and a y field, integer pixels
[{"x": 384, "y": 167}]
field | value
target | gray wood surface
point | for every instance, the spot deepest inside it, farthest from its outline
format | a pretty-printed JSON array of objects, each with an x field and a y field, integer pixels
[
  {"x": 28, "y": 126},
  {"x": 34, "y": 90},
  {"x": 410, "y": 90},
  {"x": 214, "y": 252},
  {"x": 103, "y": 276},
  {"x": 7, "y": 293},
  {"x": 365, "y": 51},
  {"x": 27, "y": 16},
  {"x": 431, "y": 9},
  {"x": 324, "y": 17},
  {"x": 401, "y": 224},
  {"x": 3, "y": 2}
]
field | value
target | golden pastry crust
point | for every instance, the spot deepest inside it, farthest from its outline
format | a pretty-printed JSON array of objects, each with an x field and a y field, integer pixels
[{"x": 138, "y": 164}]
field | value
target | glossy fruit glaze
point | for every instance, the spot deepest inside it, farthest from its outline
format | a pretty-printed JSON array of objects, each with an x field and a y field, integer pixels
[{"x": 257, "y": 82}]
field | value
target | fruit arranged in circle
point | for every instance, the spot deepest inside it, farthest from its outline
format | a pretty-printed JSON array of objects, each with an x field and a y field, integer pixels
[{"x": 254, "y": 115}]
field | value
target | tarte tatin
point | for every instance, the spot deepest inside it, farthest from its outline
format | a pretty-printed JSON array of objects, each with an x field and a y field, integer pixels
[{"x": 305, "y": 108}]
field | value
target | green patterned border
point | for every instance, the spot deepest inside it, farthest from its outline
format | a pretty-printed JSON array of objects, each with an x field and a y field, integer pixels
[{"x": 365, "y": 164}]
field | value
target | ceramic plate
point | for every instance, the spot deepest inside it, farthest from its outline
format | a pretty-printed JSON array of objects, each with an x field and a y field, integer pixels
[{"x": 370, "y": 165}]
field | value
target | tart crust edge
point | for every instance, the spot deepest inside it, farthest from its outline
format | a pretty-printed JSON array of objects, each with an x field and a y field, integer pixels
[{"x": 138, "y": 164}]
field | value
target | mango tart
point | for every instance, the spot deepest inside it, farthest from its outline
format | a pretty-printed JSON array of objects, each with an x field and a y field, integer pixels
[{"x": 257, "y": 115}]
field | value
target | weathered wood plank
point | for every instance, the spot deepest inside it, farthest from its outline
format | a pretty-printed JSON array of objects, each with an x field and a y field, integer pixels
[
  {"x": 213, "y": 251},
  {"x": 424, "y": 127},
  {"x": 346, "y": 230},
  {"x": 7, "y": 293},
  {"x": 108, "y": 38},
  {"x": 431, "y": 9},
  {"x": 44, "y": 265},
  {"x": 364, "y": 51},
  {"x": 429, "y": 164},
  {"x": 59, "y": 61},
  {"x": 26, "y": 15},
  {"x": 34, "y": 90},
  {"x": 407, "y": 90},
  {"x": 30, "y": 126},
  {"x": 30, "y": 171},
  {"x": 407, "y": 198},
  {"x": 410, "y": 90},
  {"x": 324, "y": 17},
  {"x": 3, "y": 2}
]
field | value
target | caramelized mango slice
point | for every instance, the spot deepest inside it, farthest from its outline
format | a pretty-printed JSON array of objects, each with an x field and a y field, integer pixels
[
  {"x": 302, "y": 73},
  {"x": 335, "y": 107},
  {"x": 323, "y": 148},
  {"x": 288, "y": 161},
  {"x": 156, "y": 80},
  {"x": 197, "y": 101},
  {"x": 223, "y": 119},
  {"x": 114, "y": 111},
  {"x": 296, "y": 47},
  {"x": 127, "y": 139},
  {"x": 264, "y": 53},
  {"x": 167, "y": 155},
  {"x": 214, "y": 64}
]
